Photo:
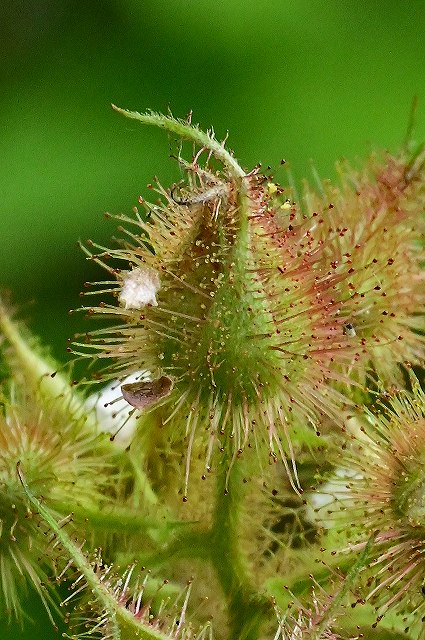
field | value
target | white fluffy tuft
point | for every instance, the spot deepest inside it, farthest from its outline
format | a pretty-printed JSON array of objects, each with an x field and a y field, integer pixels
[{"x": 139, "y": 288}]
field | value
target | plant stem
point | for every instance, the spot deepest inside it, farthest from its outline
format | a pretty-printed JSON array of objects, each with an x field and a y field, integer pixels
[
  {"x": 247, "y": 609},
  {"x": 187, "y": 545},
  {"x": 120, "y": 617},
  {"x": 120, "y": 519},
  {"x": 187, "y": 131},
  {"x": 331, "y": 610}
]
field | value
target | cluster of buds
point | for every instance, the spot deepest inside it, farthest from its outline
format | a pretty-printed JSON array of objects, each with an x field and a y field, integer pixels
[
  {"x": 241, "y": 325},
  {"x": 250, "y": 314}
]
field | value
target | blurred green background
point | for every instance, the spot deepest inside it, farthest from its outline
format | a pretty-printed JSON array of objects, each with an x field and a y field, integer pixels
[{"x": 300, "y": 79}]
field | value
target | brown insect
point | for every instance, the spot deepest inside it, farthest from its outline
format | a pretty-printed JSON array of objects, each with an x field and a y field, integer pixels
[{"x": 143, "y": 394}]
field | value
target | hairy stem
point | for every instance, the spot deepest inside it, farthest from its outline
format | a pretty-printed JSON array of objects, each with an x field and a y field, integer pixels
[
  {"x": 351, "y": 577},
  {"x": 247, "y": 609},
  {"x": 119, "y": 616},
  {"x": 186, "y": 131},
  {"x": 120, "y": 519}
]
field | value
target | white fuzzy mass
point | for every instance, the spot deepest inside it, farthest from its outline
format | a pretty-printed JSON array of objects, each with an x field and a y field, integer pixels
[{"x": 139, "y": 288}]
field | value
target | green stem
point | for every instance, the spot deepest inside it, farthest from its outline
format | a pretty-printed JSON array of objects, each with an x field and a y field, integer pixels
[
  {"x": 351, "y": 577},
  {"x": 120, "y": 617},
  {"x": 187, "y": 545},
  {"x": 143, "y": 483},
  {"x": 120, "y": 520},
  {"x": 186, "y": 131},
  {"x": 247, "y": 609}
]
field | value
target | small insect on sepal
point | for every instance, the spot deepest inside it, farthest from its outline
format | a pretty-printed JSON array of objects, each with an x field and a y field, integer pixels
[
  {"x": 142, "y": 395},
  {"x": 349, "y": 330}
]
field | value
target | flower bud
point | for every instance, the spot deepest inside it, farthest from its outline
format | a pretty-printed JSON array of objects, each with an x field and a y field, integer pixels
[
  {"x": 224, "y": 294},
  {"x": 45, "y": 430},
  {"x": 382, "y": 492},
  {"x": 374, "y": 235}
]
